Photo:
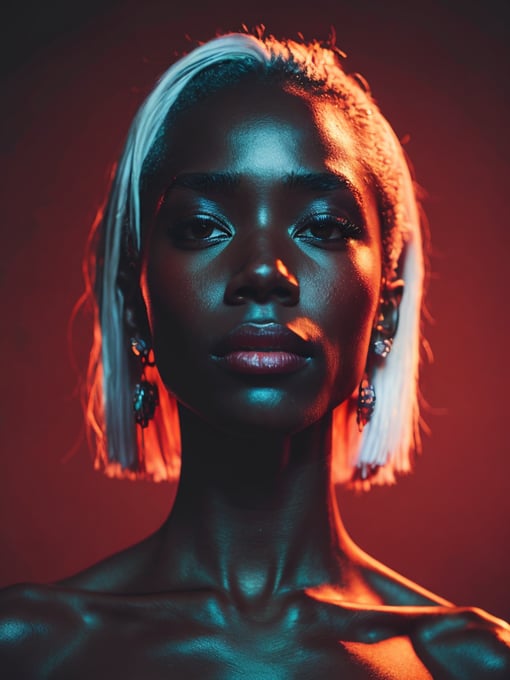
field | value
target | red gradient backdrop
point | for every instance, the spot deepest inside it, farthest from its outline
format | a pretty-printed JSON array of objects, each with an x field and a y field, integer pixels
[{"x": 74, "y": 78}]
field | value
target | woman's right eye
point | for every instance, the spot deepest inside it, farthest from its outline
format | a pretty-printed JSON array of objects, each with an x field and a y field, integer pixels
[{"x": 199, "y": 231}]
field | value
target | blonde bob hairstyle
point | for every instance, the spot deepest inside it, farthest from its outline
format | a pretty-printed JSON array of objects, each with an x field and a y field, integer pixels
[{"x": 124, "y": 449}]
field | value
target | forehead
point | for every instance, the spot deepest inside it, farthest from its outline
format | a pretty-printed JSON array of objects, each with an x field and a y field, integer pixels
[{"x": 259, "y": 130}]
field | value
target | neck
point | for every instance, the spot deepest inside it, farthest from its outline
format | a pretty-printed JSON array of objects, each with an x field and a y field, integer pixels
[{"x": 255, "y": 516}]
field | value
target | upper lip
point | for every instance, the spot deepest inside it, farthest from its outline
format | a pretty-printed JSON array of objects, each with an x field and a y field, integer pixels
[{"x": 268, "y": 337}]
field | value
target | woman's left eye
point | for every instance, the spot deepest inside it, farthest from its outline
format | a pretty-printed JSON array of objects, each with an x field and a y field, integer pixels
[{"x": 328, "y": 230}]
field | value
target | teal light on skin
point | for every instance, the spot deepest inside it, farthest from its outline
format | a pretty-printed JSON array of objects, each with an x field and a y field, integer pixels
[{"x": 252, "y": 574}]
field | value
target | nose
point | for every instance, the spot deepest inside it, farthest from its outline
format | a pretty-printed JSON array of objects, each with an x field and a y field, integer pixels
[{"x": 263, "y": 280}]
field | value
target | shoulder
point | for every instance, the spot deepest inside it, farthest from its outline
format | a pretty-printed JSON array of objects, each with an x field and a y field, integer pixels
[
  {"x": 24, "y": 612},
  {"x": 34, "y": 620},
  {"x": 465, "y": 643},
  {"x": 394, "y": 589},
  {"x": 453, "y": 642}
]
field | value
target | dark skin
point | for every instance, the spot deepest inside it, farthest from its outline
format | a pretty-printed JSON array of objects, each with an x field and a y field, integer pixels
[{"x": 253, "y": 575}]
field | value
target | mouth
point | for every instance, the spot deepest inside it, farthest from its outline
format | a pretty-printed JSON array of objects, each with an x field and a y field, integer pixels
[{"x": 263, "y": 349}]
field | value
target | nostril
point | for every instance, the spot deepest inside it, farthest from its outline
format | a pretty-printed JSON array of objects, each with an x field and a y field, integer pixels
[
  {"x": 259, "y": 294},
  {"x": 242, "y": 294},
  {"x": 283, "y": 293}
]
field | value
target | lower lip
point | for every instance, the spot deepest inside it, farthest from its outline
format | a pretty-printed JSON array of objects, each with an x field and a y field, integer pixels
[{"x": 263, "y": 363}]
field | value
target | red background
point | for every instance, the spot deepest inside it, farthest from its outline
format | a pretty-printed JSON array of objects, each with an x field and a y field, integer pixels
[{"x": 74, "y": 76}]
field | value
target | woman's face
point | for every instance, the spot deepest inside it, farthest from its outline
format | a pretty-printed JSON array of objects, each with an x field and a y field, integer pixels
[{"x": 262, "y": 263}]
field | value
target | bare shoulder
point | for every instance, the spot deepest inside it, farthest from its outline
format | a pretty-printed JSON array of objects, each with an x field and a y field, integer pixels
[
  {"x": 453, "y": 642},
  {"x": 41, "y": 624},
  {"x": 32, "y": 619},
  {"x": 465, "y": 643},
  {"x": 24, "y": 611},
  {"x": 393, "y": 588}
]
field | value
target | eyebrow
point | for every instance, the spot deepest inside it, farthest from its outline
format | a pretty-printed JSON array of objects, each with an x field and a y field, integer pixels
[
  {"x": 228, "y": 181},
  {"x": 316, "y": 181},
  {"x": 206, "y": 181}
]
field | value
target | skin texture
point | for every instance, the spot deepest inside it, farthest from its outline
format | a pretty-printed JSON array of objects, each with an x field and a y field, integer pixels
[
  {"x": 198, "y": 294},
  {"x": 252, "y": 575}
]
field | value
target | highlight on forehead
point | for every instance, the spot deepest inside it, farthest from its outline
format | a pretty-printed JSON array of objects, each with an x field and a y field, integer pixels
[
  {"x": 313, "y": 71},
  {"x": 229, "y": 182},
  {"x": 210, "y": 181}
]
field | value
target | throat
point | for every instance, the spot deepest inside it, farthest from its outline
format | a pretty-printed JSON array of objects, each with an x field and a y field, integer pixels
[
  {"x": 250, "y": 585},
  {"x": 254, "y": 518}
]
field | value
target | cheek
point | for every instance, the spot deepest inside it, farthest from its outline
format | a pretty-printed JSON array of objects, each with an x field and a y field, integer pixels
[
  {"x": 179, "y": 285},
  {"x": 349, "y": 305},
  {"x": 178, "y": 296},
  {"x": 185, "y": 300}
]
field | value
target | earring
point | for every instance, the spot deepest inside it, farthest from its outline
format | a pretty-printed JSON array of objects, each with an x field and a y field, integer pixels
[
  {"x": 145, "y": 396},
  {"x": 142, "y": 349},
  {"x": 145, "y": 400},
  {"x": 366, "y": 403},
  {"x": 382, "y": 346}
]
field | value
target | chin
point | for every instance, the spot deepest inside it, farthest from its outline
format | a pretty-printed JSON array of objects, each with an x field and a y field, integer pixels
[{"x": 267, "y": 418}]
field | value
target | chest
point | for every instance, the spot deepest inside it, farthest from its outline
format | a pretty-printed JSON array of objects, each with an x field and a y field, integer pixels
[{"x": 205, "y": 641}]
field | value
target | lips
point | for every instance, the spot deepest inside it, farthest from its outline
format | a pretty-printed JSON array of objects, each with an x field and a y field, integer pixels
[{"x": 263, "y": 349}]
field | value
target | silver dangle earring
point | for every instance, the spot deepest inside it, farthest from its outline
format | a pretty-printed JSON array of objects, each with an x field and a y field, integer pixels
[
  {"x": 145, "y": 396},
  {"x": 382, "y": 346},
  {"x": 366, "y": 403}
]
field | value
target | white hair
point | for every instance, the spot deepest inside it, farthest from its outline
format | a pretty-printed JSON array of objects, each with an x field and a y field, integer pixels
[{"x": 393, "y": 430}]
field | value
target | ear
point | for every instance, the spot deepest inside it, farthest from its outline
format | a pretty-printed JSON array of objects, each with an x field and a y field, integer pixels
[
  {"x": 135, "y": 312},
  {"x": 387, "y": 320},
  {"x": 135, "y": 316}
]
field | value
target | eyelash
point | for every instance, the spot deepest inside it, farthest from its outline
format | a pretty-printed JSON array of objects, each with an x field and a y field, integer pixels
[
  {"x": 182, "y": 236},
  {"x": 347, "y": 229}
]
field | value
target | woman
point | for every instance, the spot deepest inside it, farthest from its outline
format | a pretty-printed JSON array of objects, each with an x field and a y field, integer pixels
[{"x": 258, "y": 272}]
